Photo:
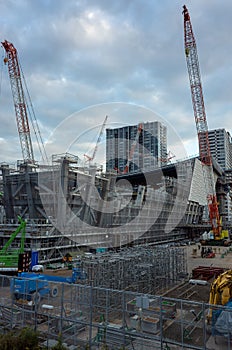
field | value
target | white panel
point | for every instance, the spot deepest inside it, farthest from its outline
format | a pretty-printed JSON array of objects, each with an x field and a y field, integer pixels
[{"x": 197, "y": 190}]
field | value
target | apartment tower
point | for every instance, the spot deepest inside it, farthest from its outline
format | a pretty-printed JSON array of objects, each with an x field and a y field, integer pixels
[
  {"x": 221, "y": 147},
  {"x": 221, "y": 150},
  {"x": 135, "y": 148}
]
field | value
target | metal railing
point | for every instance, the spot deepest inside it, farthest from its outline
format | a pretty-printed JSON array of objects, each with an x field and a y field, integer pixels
[{"x": 83, "y": 315}]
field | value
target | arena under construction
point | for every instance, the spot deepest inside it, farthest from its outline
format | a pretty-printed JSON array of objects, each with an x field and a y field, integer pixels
[{"x": 67, "y": 208}]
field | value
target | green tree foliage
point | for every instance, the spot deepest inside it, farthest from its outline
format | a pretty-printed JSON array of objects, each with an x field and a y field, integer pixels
[{"x": 26, "y": 339}]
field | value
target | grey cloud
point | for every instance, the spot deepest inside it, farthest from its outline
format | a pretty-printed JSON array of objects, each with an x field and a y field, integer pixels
[{"x": 79, "y": 53}]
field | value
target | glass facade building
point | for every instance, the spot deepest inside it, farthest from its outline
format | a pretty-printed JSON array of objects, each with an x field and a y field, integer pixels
[{"x": 138, "y": 148}]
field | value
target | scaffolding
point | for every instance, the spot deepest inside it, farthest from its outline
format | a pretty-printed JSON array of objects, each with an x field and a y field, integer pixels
[
  {"x": 139, "y": 269},
  {"x": 66, "y": 207}
]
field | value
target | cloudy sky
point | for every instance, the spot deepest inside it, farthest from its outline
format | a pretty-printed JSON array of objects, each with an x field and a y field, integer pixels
[{"x": 84, "y": 59}]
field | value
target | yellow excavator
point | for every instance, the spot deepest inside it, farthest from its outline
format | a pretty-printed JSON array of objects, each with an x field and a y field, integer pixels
[{"x": 221, "y": 294}]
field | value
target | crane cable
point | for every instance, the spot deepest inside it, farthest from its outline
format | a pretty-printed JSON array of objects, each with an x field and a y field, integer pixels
[{"x": 34, "y": 122}]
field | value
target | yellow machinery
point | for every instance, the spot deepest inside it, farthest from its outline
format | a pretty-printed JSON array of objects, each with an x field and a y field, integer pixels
[
  {"x": 221, "y": 294},
  {"x": 221, "y": 289}
]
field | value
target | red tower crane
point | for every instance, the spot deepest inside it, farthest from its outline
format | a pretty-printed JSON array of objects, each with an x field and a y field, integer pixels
[
  {"x": 168, "y": 158},
  {"x": 19, "y": 101},
  {"x": 201, "y": 122}
]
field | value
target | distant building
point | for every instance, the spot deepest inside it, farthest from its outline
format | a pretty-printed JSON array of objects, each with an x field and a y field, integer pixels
[
  {"x": 221, "y": 147},
  {"x": 228, "y": 199},
  {"x": 140, "y": 149}
]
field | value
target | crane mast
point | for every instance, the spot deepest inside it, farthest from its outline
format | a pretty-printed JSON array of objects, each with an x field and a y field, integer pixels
[
  {"x": 19, "y": 101},
  {"x": 201, "y": 122}
]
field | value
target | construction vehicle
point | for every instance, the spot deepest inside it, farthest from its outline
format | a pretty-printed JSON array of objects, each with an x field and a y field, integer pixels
[
  {"x": 207, "y": 253},
  {"x": 33, "y": 286},
  {"x": 221, "y": 294},
  {"x": 9, "y": 257},
  {"x": 202, "y": 129},
  {"x": 207, "y": 238}
]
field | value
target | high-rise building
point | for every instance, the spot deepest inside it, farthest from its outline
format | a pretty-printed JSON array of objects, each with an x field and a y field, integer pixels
[
  {"x": 221, "y": 150},
  {"x": 138, "y": 147},
  {"x": 221, "y": 147}
]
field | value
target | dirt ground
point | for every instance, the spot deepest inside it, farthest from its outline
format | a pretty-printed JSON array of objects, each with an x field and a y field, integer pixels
[
  {"x": 223, "y": 257},
  {"x": 195, "y": 292}
]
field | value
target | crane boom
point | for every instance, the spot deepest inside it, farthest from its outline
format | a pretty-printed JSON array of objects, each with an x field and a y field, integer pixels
[
  {"x": 19, "y": 101},
  {"x": 201, "y": 121},
  {"x": 90, "y": 158}
]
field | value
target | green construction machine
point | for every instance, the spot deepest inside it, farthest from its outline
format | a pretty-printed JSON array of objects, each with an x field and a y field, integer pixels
[{"x": 9, "y": 256}]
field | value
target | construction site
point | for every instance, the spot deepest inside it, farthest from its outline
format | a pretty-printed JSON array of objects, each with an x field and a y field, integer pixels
[
  {"x": 126, "y": 300},
  {"x": 125, "y": 259}
]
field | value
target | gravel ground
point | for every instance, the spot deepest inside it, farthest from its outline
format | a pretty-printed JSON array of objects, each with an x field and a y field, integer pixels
[{"x": 223, "y": 257}]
